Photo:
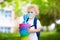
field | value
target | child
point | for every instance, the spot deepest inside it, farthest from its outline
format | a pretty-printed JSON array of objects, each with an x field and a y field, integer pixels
[{"x": 32, "y": 11}]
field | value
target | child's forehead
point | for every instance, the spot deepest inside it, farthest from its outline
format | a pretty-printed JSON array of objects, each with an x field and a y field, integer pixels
[{"x": 32, "y": 9}]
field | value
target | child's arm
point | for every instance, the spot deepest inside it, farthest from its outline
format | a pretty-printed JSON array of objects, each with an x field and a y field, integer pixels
[
  {"x": 33, "y": 30},
  {"x": 38, "y": 27}
]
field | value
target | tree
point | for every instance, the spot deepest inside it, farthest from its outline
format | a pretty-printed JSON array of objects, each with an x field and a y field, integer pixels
[{"x": 49, "y": 11}]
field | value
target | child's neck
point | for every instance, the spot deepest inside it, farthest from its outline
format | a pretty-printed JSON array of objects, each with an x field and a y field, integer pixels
[{"x": 31, "y": 18}]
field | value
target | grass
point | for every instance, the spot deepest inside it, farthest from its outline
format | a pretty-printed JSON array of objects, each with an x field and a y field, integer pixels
[
  {"x": 43, "y": 36},
  {"x": 9, "y": 36},
  {"x": 50, "y": 36}
]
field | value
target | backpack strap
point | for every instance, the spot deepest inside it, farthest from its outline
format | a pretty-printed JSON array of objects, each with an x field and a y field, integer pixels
[{"x": 35, "y": 24}]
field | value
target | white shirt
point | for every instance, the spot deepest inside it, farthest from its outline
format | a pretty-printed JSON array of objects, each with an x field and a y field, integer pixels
[{"x": 32, "y": 36}]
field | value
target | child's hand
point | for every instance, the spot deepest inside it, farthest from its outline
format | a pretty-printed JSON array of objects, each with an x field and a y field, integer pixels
[{"x": 33, "y": 30}]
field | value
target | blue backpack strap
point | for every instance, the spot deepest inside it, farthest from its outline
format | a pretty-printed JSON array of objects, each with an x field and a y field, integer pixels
[{"x": 35, "y": 24}]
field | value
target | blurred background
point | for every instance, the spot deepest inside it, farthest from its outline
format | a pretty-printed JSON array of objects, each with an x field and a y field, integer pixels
[{"x": 49, "y": 17}]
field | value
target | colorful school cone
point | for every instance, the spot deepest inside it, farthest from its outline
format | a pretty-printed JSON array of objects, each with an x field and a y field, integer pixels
[{"x": 24, "y": 30}]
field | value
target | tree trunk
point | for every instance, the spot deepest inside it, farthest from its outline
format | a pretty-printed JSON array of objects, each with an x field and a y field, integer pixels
[{"x": 47, "y": 29}]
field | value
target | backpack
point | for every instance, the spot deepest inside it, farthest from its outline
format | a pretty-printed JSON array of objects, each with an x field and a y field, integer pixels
[{"x": 35, "y": 25}]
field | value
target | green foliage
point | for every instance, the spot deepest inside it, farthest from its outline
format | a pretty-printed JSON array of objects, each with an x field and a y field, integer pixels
[
  {"x": 58, "y": 27},
  {"x": 41, "y": 5},
  {"x": 58, "y": 8},
  {"x": 8, "y": 0},
  {"x": 46, "y": 20},
  {"x": 3, "y": 4}
]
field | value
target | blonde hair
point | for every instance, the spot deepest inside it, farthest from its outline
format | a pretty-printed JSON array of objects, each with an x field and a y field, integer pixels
[{"x": 34, "y": 7}]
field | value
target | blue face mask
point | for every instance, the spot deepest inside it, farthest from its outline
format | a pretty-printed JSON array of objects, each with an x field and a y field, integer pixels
[{"x": 31, "y": 15}]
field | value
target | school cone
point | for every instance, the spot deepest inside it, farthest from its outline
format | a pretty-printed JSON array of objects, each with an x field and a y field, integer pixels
[{"x": 24, "y": 32}]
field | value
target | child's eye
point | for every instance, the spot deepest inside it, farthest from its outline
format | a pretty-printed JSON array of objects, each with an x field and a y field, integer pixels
[
  {"x": 28, "y": 12},
  {"x": 31, "y": 12}
]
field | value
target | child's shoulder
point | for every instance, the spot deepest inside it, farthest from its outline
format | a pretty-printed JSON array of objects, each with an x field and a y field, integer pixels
[{"x": 37, "y": 19}]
